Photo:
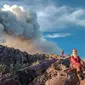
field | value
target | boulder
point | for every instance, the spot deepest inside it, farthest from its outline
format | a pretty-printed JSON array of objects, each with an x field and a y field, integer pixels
[
  {"x": 63, "y": 79},
  {"x": 65, "y": 61},
  {"x": 9, "y": 79},
  {"x": 26, "y": 76}
]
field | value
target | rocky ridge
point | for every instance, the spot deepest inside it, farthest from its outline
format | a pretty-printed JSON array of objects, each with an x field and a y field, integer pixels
[{"x": 21, "y": 68}]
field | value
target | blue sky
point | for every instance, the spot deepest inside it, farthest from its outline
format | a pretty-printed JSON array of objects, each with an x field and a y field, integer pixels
[
  {"x": 73, "y": 3},
  {"x": 61, "y": 21},
  {"x": 76, "y": 40}
]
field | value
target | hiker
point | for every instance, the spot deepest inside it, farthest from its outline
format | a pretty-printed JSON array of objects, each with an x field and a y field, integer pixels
[
  {"x": 63, "y": 53},
  {"x": 76, "y": 63}
]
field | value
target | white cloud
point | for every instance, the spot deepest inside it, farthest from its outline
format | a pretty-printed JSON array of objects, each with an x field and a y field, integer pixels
[
  {"x": 52, "y": 17},
  {"x": 57, "y": 35}
]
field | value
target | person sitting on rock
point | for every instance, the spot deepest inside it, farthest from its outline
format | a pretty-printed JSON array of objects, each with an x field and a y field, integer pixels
[{"x": 76, "y": 63}]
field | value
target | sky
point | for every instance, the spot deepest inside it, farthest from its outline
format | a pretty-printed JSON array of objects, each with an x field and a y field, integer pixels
[{"x": 61, "y": 21}]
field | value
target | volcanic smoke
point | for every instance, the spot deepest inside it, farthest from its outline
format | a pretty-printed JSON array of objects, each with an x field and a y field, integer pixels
[{"x": 19, "y": 29}]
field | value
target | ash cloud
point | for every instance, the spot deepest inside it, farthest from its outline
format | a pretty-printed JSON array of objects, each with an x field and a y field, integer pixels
[{"x": 19, "y": 28}]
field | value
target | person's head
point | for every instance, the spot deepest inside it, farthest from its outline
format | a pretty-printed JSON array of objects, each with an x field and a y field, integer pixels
[
  {"x": 62, "y": 50},
  {"x": 74, "y": 51}
]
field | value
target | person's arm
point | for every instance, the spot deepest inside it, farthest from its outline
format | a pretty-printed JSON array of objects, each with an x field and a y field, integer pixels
[{"x": 81, "y": 62}]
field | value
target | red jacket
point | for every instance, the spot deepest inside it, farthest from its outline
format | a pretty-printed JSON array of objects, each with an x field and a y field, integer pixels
[{"x": 75, "y": 61}]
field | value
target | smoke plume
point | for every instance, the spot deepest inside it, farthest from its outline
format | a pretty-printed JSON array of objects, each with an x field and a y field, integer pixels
[{"x": 19, "y": 29}]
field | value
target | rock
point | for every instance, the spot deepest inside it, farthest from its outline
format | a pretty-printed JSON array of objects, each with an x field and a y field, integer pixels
[
  {"x": 29, "y": 74},
  {"x": 58, "y": 80},
  {"x": 72, "y": 79},
  {"x": 63, "y": 79},
  {"x": 40, "y": 68},
  {"x": 40, "y": 80},
  {"x": 65, "y": 61},
  {"x": 58, "y": 75},
  {"x": 9, "y": 79},
  {"x": 82, "y": 82},
  {"x": 11, "y": 82},
  {"x": 26, "y": 76},
  {"x": 6, "y": 69}
]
